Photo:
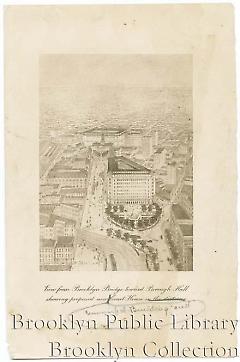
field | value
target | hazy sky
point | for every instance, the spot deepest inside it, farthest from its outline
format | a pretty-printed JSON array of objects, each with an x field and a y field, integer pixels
[
  {"x": 115, "y": 86},
  {"x": 114, "y": 70}
]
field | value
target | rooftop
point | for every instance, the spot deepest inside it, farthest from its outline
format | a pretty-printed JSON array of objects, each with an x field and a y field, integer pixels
[
  {"x": 68, "y": 174},
  {"x": 135, "y": 131},
  {"x": 124, "y": 165},
  {"x": 188, "y": 190},
  {"x": 44, "y": 219},
  {"x": 64, "y": 241},
  {"x": 65, "y": 220},
  {"x": 77, "y": 206},
  {"x": 72, "y": 190},
  {"x": 179, "y": 212},
  {"x": 46, "y": 208},
  {"x": 159, "y": 150},
  {"x": 105, "y": 131},
  {"x": 187, "y": 229},
  {"x": 47, "y": 243}
]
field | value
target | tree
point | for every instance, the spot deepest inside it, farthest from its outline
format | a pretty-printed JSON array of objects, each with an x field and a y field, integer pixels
[
  {"x": 126, "y": 236},
  {"x": 121, "y": 220},
  {"x": 150, "y": 207},
  {"x": 143, "y": 243},
  {"x": 108, "y": 208},
  {"x": 115, "y": 208},
  {"x": 121, "y": 208},
  {"x": 126, "y": 222},
  {"x": 109, "y": 231},
  {"x": 151, "y": 249},
  {"x": 146, "y": 222},
  {"x": 144, "y": 208},
  {"x": 118, "y": 234},
  {"x": 131, "y": 222},
  {"x": 140, "y": 223},
  {"x": 153, "y": 219}
]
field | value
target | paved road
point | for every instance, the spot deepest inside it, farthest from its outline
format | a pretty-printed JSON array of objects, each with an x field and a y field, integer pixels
[
  {"x": 94, "y": 219},
  {"x": 178, "y": 189},
  {"x": 93, "y": 209},
  {"x": 125, "y": 256}
]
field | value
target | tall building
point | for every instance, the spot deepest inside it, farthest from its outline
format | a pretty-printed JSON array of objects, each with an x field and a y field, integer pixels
[
  {"x": 171, "y": 173},
  {"x": 129, "y": 182},
  {"x": 147, "y": 146},
  {"x": 156, "y": 137},
  {"x": 159, "y": 158},
  {"x": 134, "y": 138}
]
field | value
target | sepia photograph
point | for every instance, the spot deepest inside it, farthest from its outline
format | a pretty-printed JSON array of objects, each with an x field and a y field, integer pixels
[{"x": 116, "y": 162}]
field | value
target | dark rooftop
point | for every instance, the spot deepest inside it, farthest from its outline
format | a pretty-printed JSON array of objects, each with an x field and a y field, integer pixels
[
  {"x": 123, "y": 165},
  {"x": 187, "y": 229},
  {"x": 179, "y": 212},
  {"x": 47, "y": 243},
  {"x": 54, "y": 218},
  {"x": 64, "y": 241},
  {"x": 44, "y": 219},
  {"x": 188, "y": 190},
  {"x": 159, "y": 150},
  {"x": 135, "y": 131},
  {"x": 68, "y": 174}
]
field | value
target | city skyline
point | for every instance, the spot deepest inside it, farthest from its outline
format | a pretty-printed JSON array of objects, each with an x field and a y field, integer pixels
[
  {"x": 115, "y": 87},
  {"x": 116, "y": 167}
]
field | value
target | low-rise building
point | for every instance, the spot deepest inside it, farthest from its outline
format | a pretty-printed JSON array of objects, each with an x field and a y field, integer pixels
[
  {"x": 70, "y": 178},
  {"x": 64, "y": 250},
  {"x": 181, "y": 237},
  {"x": 55, "y": 226},
  {"x": 52, "y": 198},
  {"x": 68, "y": 211},
  {"x": 47, "y": 251},
  {"x": 80, "y": 162}
]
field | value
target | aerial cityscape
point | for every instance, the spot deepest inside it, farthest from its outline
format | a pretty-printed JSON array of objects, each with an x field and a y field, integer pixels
[{"x": 116, "y": 163}]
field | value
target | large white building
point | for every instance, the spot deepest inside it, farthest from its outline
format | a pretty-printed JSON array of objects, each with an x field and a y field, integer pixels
[
  {"x": 147, "y": 146},
  {"x": 129, "y": 182},
  {"x": 134, "y": 138}
]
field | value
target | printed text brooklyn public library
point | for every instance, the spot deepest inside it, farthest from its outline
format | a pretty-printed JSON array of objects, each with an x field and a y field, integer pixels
[{"x": 111, "y": 321}]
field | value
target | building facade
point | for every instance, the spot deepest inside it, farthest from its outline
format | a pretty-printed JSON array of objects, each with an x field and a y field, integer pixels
[
  {"x": 64, "y": 250},
  {"x": 134, "y": 138},
  {"x": 129, "y": 182},
  {"x": 181, "y": 232},
  {"x": 47, "y": 251},
  {"x": 76, "y": 179}
]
